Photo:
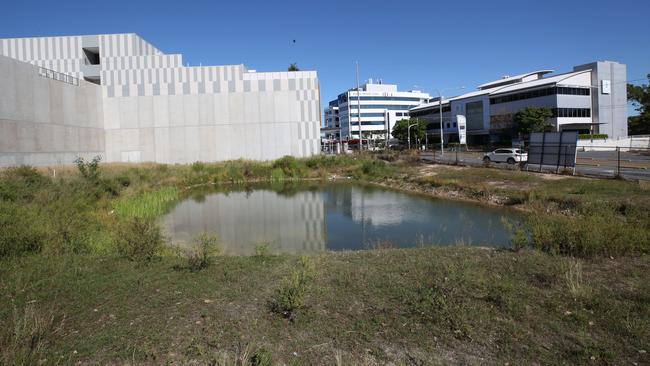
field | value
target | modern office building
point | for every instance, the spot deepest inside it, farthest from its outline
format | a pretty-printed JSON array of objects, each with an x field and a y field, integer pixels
[
  {"x": 590, "y": 99},
  {"x": 381, "y": 106},
  {"x": 117, "y": 96}
]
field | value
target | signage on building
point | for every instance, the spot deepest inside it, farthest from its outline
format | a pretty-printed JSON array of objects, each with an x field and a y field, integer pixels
[
  {"x": 461, "y": 122},
  {"x": 606, "y": 86}
]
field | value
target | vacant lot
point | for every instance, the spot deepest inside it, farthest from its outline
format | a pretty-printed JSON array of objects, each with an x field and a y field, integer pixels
[{"x": 85, "y": 276}]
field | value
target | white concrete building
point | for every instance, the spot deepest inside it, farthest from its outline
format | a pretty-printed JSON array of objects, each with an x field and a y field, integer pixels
[
  {"x": 382, "y": 105},
  {"x": 118, "y": 96},
  {"x": 590, "y": 99}
]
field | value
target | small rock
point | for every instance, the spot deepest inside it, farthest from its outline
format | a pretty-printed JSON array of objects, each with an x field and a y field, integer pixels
[
  {"x": 592, "y": 357},
  {"x": 207, "y": 301},
  {"x": 567, "y": 312},
  {"x": 642, "y": 351}
]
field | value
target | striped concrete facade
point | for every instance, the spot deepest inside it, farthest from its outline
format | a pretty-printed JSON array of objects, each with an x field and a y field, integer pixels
[{"x": 155, "y": 109}]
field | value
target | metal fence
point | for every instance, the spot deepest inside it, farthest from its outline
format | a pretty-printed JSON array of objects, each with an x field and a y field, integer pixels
[{"x": 599, "y": 161}]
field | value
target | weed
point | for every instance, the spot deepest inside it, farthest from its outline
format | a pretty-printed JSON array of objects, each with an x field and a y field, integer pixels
[
  {"x": 89, "y": 169},
  {"x": 575, "y": 281},
  {"x": 139, "y": 239},
  {"x": 519, "y": 236},
  {"x": 29, "y": 334},
  {"x": 263, "y": 250},
  {"x": 290, "y": 166},
  {"x": 290, "y": 297},
  {"x": 261, "y": 357},
  {"x": 200, "y": 256}
]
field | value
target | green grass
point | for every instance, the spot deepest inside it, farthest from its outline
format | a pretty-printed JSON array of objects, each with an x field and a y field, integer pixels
[
  {"x": 149, "y": 204},
  {"x": 430, "y": 306}
]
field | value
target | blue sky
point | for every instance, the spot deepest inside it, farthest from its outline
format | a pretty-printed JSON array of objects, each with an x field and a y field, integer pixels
[{"x": 428, "y": 44}]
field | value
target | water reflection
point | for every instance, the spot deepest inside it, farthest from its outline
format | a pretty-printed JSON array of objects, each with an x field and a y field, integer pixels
[{"x": 309, "y": 218}]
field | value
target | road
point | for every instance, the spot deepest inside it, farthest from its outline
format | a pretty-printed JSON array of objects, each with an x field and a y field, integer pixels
[{"x": 592, "y": 163}]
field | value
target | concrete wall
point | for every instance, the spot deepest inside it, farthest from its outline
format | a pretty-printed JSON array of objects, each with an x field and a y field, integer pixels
[
  {"x": 153, "y": 108},
  {"x": 45, "y": 121}
]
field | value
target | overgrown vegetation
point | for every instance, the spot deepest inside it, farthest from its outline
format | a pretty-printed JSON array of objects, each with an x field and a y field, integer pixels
[{"x": 73, "y": 287}]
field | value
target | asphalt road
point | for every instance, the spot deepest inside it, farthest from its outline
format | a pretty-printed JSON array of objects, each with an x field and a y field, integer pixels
[{"x": 591, "y": 163}]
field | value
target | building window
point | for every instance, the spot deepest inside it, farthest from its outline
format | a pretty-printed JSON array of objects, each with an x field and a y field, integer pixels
[
  {"x": 539, "y": 93},
  {"x": 571, "y": 112}
]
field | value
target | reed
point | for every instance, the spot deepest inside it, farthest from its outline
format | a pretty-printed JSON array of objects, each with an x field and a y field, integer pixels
[{"x": 147, "y": 205}]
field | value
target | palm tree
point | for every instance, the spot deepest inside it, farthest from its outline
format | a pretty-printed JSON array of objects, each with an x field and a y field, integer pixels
[{"x": 293, "y": 67}]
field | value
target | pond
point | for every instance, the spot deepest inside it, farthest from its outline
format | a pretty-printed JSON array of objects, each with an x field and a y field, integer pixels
[{"x": 302, "y": 218}]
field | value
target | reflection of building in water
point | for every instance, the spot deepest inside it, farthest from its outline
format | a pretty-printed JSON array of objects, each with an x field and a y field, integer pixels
[
  {"x": 376, "y": 207},
  {"x": 243, "y": 220}
]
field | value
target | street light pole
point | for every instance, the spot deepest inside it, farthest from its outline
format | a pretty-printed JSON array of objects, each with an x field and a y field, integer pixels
[
  {"x": 442, "y": 139},
  {"x": 359, "y": 109},
  {"x": 408, "y": 133}
]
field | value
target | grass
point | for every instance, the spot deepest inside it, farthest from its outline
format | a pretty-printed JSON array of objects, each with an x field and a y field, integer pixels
[
  {"x": 85, "y": 276},
  {"x": 149, "y": 204},
  {"x": 423, "y": 306}
]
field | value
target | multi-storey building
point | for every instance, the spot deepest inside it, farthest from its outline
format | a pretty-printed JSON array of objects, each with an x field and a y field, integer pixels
[
  {"x": 590, "y": 99},
  {"x": 381, "y": 105},
  {"x": 117, "y": 96}
]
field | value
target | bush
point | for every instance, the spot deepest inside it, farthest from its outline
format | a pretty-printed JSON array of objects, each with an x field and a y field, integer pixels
[
  {"x": 290, "y": 297},
  {"x": 89, "y": 169},
  {"x": 290, "y": 166},
  {"x": 261, "y": 357},
  {"x": 263, "y": 250},
  {"x": 21, "y": 183},
  {"x": 200, "y": 256},
  {"x": 586, "y": 136},
  {"x": 374, "y": 168},
  {"x": 139, "y": 239}
]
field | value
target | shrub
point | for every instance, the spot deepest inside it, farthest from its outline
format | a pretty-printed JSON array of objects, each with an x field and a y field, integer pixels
[
  {"x": 21, "y": 183},
  {"x": 374, "y": 168},
  {"x": 586, "y": 136},
  {"x": 261, "y": 357},
  {"x": 89, "y": 169},
  {"x": 139, "y": 239},
  {"x": 290, "y": 297},
  {"x": 597, "y": 230},
  {"x": 198, "y": 166},
  {"x": 200, "y": 256},
  {"x": 289, "y": 165},
  {"x": 263, "y": 250}
]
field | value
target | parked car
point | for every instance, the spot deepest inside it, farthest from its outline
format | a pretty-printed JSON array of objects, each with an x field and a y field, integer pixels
[{"x": 509, "y": 155}]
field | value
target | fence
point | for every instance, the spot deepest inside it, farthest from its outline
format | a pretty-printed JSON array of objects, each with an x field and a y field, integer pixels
[{"x": 605, "y": 162}]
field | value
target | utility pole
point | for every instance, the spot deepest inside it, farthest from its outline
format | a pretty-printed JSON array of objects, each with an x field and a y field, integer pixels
[
  {"x": 359, "y": 109},
  {"x": 442, "y": 139}
]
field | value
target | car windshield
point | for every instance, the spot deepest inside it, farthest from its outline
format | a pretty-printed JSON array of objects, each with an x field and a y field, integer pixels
[{"x": 518, "y": 151}]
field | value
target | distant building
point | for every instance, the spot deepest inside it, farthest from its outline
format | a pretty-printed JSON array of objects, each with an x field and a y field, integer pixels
[
  {"x": 590, "y": 99},
  {"x": 382, "y": 105},
  {"x": 118, "y": 96}
]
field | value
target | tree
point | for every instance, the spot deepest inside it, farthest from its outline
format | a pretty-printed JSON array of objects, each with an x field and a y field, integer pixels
[
  {"x": 293, "y": 67},
  {"x": 533, "y": 119},
  {"x": 400, "y": 130},
  {"x": 639, "y": 96}
]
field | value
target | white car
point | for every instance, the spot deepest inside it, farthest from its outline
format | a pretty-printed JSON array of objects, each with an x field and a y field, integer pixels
[{"x": 508, "y": 155}]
